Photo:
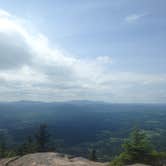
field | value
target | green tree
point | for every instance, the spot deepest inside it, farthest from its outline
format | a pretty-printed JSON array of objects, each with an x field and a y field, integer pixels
[
  {"x": 42, "y": 138},
  {"x": 28, "y": 146},
  {"x": 92, "y": 155},
  {"x": 137, "y": 147},
  {"x": 3, "y": 148}
]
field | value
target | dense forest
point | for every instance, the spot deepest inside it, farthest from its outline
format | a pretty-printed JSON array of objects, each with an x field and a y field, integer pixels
[
  {"x": 95, "y": 130},
  {"x": 136, "y": 149}
]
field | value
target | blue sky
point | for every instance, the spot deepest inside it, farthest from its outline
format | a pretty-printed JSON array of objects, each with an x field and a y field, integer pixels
[{"x": 105, "y": 50}]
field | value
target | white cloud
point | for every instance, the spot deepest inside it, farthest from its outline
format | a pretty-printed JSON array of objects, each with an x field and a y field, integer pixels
[
  {"x": 134, "y": 17},
  {"x": 104, "y": 59},
  {"x": 4, "y": 13},
  {"x": 33, "y": 69}
]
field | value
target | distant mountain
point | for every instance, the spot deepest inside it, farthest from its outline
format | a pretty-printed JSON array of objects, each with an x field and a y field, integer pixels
[
  {"x": 69, "y": 101},
  {"x": 86, "y": 102}
]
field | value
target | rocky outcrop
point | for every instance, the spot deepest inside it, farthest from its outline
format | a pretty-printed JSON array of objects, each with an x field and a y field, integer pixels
[
  {"x": 51, "y": 159},
  {"x": 138, "y": 165},
  {"x": 48, "y": 159}
]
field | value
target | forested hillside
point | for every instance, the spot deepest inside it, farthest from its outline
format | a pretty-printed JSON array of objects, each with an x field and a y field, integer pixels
[{"x": 78, "y": 127}]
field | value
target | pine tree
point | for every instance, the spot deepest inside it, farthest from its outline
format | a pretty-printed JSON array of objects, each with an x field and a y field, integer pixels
[
  {"x": 93, "y": 155},
  {"x": 42, "y": 138},
  {"x": 30, "y": 145},
  {"x": 3, "y": 148},
  {"x": 27, "y": 147},
  {"x": 137, "y": 147}
]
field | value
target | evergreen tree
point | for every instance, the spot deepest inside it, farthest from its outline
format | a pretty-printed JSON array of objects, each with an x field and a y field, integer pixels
[
  {"x": 42, "y": 138},
  {"x": 137, "y": 147},
  {"x": 93, "y": 155},
  {"x": 27, "y": 147},
  {"x": 3, "y": 148},
  {"x": 30, "y": 145}
]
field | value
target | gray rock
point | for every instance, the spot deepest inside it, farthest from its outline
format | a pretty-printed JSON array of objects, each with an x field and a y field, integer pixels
[
  {"x": 138, "y": 165},
  {"x": 48, "y": 159}
]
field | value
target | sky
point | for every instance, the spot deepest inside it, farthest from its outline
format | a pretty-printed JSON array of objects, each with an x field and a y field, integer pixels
[{"x": 59, "y": 50}]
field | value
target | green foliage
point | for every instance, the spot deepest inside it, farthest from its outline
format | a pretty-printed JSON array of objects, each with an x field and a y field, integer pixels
[
  {"x": 42, "y": 138},
  {"x": 111, "y": 122},
  {"x": 137, "y": 148},
  {"x": 92, "y": 155},
  {"x": 158, "y": 158},
  {"x": 119, "y": 160},
  {"x": 28, "y": 147},
  {"x": 38, "y": 144},
  {"x": 3, "y": 148}
]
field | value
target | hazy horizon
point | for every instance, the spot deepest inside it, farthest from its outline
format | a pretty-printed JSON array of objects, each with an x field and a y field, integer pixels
[{"x": 81, "y": 101}]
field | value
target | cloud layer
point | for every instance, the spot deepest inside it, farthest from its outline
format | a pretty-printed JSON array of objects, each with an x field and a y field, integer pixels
[
  {"x": 32, "y": 68},
  {"x": 134, "y": 17}
]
